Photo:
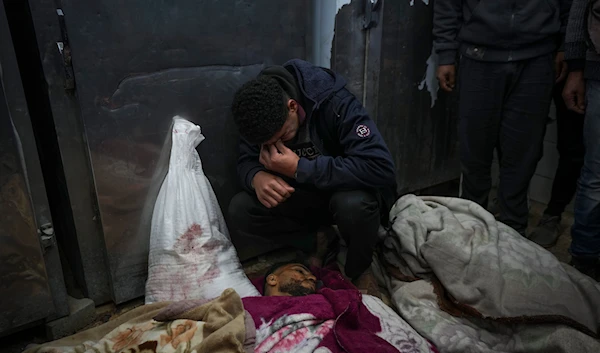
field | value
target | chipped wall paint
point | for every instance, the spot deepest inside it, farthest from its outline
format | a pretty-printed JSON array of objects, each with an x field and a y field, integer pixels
[
  {"x": 324, "y": 29},
  {"x": 340, "y": 3},
  {"x": 429, "y": 78}
]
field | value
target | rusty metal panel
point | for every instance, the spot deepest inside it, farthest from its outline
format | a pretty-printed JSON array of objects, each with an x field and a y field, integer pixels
[
  {"x": 23, "y": 280},
  {"x": 423, "y": 139},
  {"x": 386, "y": 66},
  {"x": 138, "y": 63},
  {"x": 31, "y": 279},
  {"x": 83, "y": 244},
  {"x": 348, "y": 46},
  {"x": 356, "y": 50}
]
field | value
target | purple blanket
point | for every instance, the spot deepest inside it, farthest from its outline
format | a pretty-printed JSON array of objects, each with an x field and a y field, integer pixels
[{"x": 334, "y": 319}]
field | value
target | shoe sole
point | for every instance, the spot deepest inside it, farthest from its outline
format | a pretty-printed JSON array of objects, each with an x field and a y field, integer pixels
[{"x": 548, "y": 246}]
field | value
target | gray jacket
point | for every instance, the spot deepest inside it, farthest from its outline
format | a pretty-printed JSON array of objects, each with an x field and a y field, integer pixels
[
  {"x": 577, "y": 52},
  {"x": 498, "y": 30}
]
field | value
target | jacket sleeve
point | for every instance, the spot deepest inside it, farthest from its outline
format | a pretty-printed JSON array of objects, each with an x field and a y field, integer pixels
[
  {"x": 367, "y": 162},
  {"x": 575, "y": 40},
  {"x": 447, "y": 20},
  {"x": 248, "y": 164},
  {"x": 565, "y": 7}
]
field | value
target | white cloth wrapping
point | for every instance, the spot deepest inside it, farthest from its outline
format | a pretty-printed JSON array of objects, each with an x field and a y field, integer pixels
[{"x": 191, "y": 254}]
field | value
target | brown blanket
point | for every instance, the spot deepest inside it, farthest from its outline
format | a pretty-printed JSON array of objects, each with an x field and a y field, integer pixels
[{"x": 217, "y": 326}]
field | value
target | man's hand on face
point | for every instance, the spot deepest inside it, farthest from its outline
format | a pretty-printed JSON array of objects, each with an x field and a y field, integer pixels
[
  {"x": 271, "y": 190},
  {"x": 280, "y": 159},
  {"x": 574, "y": 92}
]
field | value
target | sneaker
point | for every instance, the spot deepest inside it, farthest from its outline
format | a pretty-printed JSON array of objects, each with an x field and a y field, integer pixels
[
  {"x": 547, "y": 231},
  {"x": 589, "y": 266},
  {"x": 494, "y": 208}
]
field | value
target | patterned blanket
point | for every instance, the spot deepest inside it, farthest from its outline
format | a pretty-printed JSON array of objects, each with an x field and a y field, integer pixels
[
  {"x": 331, "y": 322},
  {"x": 471, "y": 284},
  {"x": 336, "y": 319},
  {"x": 214, "y": 326}
]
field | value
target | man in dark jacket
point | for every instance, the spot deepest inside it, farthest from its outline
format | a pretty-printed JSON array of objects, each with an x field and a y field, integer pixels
[
  {"x": 310, "y": 156},
  {"x": 507, "y": 58},
  {"x": 582, "y": 95}
]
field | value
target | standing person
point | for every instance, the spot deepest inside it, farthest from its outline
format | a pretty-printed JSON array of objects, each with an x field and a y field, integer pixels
[
  {"x": 505, "y": 85},
  {"x": 582, "y": 95},
  {"x": 310, "y": 156},
  {"x": 570, "y": 150}
]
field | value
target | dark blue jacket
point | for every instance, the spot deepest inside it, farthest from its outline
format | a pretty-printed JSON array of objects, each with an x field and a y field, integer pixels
[
  {"x": 354, "y": 155},
  {"x": 498, "y": 30}
]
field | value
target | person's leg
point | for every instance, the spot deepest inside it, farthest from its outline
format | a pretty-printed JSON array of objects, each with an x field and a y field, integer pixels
[
  {"x": 294, "y": 222},
  {"x": 481, "y": 87},
  {"x": 521, "y": 136},
  {"x": 356, "y": 214},
  {"x": 570, "y": 150},
  {"x": 585, "y": 245}
]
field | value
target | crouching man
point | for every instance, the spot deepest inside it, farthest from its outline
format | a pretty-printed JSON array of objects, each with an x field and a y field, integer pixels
[{"x": 310, "y": 157}]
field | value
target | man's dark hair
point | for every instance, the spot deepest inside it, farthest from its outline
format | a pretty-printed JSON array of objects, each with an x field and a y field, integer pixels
[
  {"x": 277, "y": 266},
  {"x": 259, "y": 109}
]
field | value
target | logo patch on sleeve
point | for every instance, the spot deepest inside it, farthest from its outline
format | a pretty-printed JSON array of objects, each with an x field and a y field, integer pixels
[{"x": 363, "y": 131}]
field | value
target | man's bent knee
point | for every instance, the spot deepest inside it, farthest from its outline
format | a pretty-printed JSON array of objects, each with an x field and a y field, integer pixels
[
  {"x": 239, "y": 209},
  {"x": 355, "y": 204}
]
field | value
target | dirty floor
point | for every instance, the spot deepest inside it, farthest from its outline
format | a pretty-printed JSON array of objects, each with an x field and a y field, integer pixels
[
  {"x": 560, "y": 250},
  {"x": 17, "y": 342}
]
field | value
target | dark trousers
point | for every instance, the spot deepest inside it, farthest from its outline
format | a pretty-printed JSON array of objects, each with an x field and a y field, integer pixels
[
  {"x": 503, "y": 106},
  {"x": 570, "y": 150},
  {"x": 586, "y": 227},
  {"x": 296, "y": 221}
]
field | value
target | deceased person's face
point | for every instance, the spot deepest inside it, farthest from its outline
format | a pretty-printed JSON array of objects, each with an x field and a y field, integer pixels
[{"x": 291, "y": 280}]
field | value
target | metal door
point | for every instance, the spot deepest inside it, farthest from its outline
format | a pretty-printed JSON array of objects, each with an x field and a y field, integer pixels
[
  {"x": 24, "y": 290},
  {"x": 384, "y": 48},
  {"x": 138, "y": 63},
  {"x": 24, "y": 285}
]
